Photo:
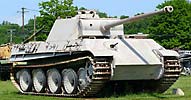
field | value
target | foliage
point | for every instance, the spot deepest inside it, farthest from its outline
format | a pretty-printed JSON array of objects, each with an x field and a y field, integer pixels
[
  {"x": 30, "y": 28},
  {"x": 173, "y": 30},
  {"x": 137, "y": 27},
  {"x": 5, "y": 28},
  {"x": 30, "y": 25},
  {"x": 102, "y": 14}
]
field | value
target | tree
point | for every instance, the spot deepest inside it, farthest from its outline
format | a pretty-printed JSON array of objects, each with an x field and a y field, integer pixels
[
  {"x": 139, "y": 26},
  {"x": 5, "y": 28},
  {"x": 102, "y": 14},
  {"x": 173, "y": 30},
  {"x": 30, "y": 28}
]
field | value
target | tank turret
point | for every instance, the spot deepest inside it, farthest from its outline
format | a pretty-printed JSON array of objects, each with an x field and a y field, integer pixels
[{"x": 88, "y": 24}]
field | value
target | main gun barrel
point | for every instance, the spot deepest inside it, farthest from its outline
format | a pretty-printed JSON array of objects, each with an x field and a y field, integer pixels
[{"x": 105, "y": 28}]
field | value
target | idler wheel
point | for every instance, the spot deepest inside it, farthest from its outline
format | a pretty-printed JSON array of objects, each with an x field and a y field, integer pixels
[
  {"x": 39, "y": 80},
  {"x": 25, "y": 80},
  {"x": 54, "y": 81},
  {"x": 69, "y": 81}
]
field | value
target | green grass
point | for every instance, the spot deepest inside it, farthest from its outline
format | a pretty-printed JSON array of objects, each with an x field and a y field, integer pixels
[{"x": 9, "y": 92}]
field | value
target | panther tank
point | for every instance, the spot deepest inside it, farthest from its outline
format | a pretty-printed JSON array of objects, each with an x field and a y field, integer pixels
[{"x": 86, "y": 56}]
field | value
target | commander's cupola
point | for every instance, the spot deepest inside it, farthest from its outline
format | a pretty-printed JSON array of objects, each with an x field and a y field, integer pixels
[{"x": 87, "y": 14}]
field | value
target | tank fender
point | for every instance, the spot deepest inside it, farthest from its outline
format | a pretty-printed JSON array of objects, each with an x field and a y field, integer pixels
[{"x": 164, "y": 53}]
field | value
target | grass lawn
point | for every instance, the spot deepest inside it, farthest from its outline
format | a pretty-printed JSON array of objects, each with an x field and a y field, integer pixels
[{"x": 9, "y": 92}]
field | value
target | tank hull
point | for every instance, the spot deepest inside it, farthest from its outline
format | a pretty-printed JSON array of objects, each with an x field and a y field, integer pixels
[
  {"x": 106, "y": 69},
  {"x": 133, "y": 59}
]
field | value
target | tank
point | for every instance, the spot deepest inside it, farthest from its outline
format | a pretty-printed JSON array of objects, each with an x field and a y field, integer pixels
[
  {"x": 88, "y": 56},
  {"x": 5, "y": 65}
]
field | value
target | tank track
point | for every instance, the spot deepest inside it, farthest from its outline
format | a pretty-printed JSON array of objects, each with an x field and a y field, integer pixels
[
  {"x": 101, "y": 74},
  {"x": 4, "y": 72},
  {"x": 172, "y": 71}
]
